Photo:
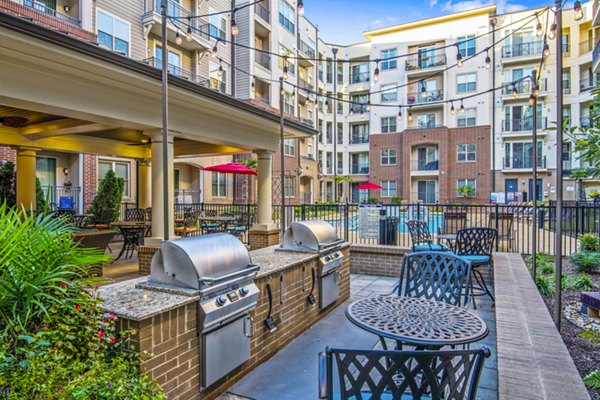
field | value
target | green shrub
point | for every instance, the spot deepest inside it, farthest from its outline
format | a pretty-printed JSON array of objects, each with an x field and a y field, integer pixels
[
  {"x": 545, "y": 285},
  {"x": 8, "y": 186},
  {"x": 591, "y": 335},
  {"x": 396, "y": 200},
  {"x": 544, "y": 263},
  {"x": 109, "y": 195},
  {"x": 593, "y": 380},
  {"x": 585, "y": 261},
  {"x": 589, "y": 242},
  {"x": 40, "y": 197},
  {"x": 373, "y": 200},
  {"x": 580, "y": 282}
]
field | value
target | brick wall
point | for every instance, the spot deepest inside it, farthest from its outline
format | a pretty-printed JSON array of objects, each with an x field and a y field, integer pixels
[
  {"x": 376, "y": 259},
  {"x": 90, "y": 180},
  {"x": 145, "y": 254},
  {"x": 171, "y": 337},
  {"x": 46, "y": 20},
  {"x": 259, "y": 239},
  {"x": 8, "y": 154}
]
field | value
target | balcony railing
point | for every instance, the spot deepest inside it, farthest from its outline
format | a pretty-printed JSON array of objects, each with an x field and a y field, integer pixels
[
  {"x": 429, "y": 96},
  {"x": 523, "y": 162},
  {"x": 596, "y": 54},
  {"x": 425, "y": 197},
  {"x": 302, "y": 83},
  {"x": 263, "y": 100},
  {"x": 566, "y": 84},
  {"x": 178, "y": 72},
  {"x": 359, "y": 168},
  {"x": 52, "y": 12},
  {"x": 263, "y": 12},
  {"x": 357, "y": 109},
  {"x": 63, "y": 197},
  {"x": 359, "y": 139},
  {"x": 524, "y": 87},
  {"x": 307, "y": 50},
  {"x": 585, "y": 47},
  {"x": 425, "y": 62},
  {"x": 522, "y": 49},
  {"x": 201, "y": 27},
  {"x": 425, "y": 125},
  {"x": 523, "y": 124},
  {"x": 587, "y": 83},
  {"x": 424, "y": 165},
  {"x": 359, "y": 78},
  {"x": 263, "y": 59}
]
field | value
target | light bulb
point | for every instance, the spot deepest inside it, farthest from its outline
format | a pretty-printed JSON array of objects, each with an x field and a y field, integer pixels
[
  {"x": 369, "y": 105},
  {"x": 488, "y": 62},
  {"x": 539, "y": 30},
  {"x": 400, "y": 114},
  {"x": 351, "y": 111},
  {"x": 515, "y": 92},
  {"x": 546, "y": 51},
  {"x": 220, "y": 71},
  {"x": 253, "y": 88},
  {"x": 452, "y": 109},
  {"x": 459, "y": 60},
  {"x": 423, "y": 92},
  {"x": 462, "y": 108},
  {"x": 215, "y": 51},
  {"x": 188, "y": 35},
  {"x": 285, "y": 72},
  {"x": 301, "y": 8},
  {"x": 376, "y": 74},
  {"x": 410, "y": 117},
  {"x": 531, "y": 99},
  {"x": 178, "y": 38},
  {"x": 234, "y": 28},
  {"x": 326, "y": 105},
  {"x": 536, "y": 90},
  {"x": 552, "y": 33},
  {"x": 578, "y": 10}
]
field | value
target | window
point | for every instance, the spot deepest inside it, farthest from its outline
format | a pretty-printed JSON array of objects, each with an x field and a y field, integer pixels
[
  {"x": 388, "y": 156},
  {"x": 359, "y": 133},
  {"x": 466, "y": 82},
  {"x": 389, "y": 188},
  {"x": 219, "y": 184},
  {"x": 45, "y": 171},
  {"x": 121, "y": 169},
  {"x": 217, "y": 82},
  {"x": 389, "y": 60},
  {"x": 288, "y": 103},
  {"x": 360, "y": 73},
  {"x": 340, "y": 133},
  {"x": 389, "y": 93},
  {"x": 287, "y": 16},
  {"x": 466, "y": 153},
  {"x": 461, "y": 183},
  {"x": 217, "y": 25},
  {"x": 467, "y": 45},
  {"x": 520, "y": 155},
  {"x": 426, "y": 121},
  {"x": 289, "y": 186},
  {"x": 174, "y": 60},
  {"x": 284, "y": 59},
  {"x": 469, "y": 118},
  {"x": 113, "y": 33},
  {"x": 289, "y": 147},
  {"x": 388, "y": 125}
]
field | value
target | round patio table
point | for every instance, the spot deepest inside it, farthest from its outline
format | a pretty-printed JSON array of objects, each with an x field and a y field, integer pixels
[{"x": 417, "y": 321}]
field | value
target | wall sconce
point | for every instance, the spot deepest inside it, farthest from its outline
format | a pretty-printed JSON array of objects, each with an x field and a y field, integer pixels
[
  {"x": 67, "y": 8},
  {"x": 66, "y": 171},
  {"x": 299, "y": 170}
]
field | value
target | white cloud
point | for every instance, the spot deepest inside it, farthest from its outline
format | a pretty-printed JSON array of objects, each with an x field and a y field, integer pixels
[
  {"x": 433, "y": 3},
  {"x": 504, "y": 6},
  {"x": 378, "y": 23}
]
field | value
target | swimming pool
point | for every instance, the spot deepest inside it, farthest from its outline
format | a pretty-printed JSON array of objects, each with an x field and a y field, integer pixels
[{"x": 435, "y": 221}]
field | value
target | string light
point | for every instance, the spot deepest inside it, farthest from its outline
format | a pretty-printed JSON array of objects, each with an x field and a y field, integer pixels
[
  {"x": 515, "y": 91},
  {"x": 400, "y": 113},
  {"x": 578, "y": 10},
  {"x": 178, "y": 38},
  {"x": 410, "y": 117},
  {"x": 531, "y": 99},
  {"x": 539, "y": 29},
  {"x": 285, "y": 72},
  {"x": 546, "y": 51},
  {"x": 459, "y": 57},
  {"x": 326, "y": 105},
  {"x": 301, "y": 8},
  {"x": 215, "y": 50},
  {"x": 423, "y": 90},
  {"x": 253, "y": 88},
  {"x": 488, "y": 60},
  {"x": 234, "y": 27},
  {"x": 188, "y": 35},
  {"x": 552, "y": 33},
  {"x": 376, "y": 72},
  {"x": 351, "y": 110},
  {"x": 368, "y": 105},
  {"x": 220, "y": 71},
  {"x": 462, "y": 107},
  {"x": 452, "y": 108},
  {"x": 536, "y": 90}
]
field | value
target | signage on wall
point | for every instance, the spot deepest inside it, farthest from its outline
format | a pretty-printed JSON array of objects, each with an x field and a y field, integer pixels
[{"x": 368, "y": 221}]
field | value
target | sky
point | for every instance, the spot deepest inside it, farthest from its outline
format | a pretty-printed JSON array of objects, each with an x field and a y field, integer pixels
[{"x": 344, "y": 21}]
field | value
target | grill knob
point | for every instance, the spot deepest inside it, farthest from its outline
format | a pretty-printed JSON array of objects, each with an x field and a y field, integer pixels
[
  {"x": 244, "y": 291},
  {"x": 221, "y": 300}
]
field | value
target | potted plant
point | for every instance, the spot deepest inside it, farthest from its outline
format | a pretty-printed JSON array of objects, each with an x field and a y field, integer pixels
[
  {"x": 595, "y": 195},
  {"x": 108, "y": 198}
]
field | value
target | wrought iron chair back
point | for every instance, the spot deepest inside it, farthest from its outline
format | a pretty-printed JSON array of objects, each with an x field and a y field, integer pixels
[
  {"x": 453, "y": 222},
  {"x": 438, "y": 276},
  {"x": 103, "y": 218},
  {"x": 376, "y": 374},
  {"x": 135, "y": 214},
  {"x": 476, "y": 241},
  {"x": 419, "y": 232},
  {"x": 149, "y": 214},
  {"x": 66, "y": 215}
]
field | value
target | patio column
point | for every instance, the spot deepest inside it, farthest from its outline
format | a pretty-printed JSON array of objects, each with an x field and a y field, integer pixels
[
  {"x": 264, "y": 233},
  {"x": 158, "y": 195},
  {"x": 26, "y": 177},
  {"x": 145, "y": 179}
]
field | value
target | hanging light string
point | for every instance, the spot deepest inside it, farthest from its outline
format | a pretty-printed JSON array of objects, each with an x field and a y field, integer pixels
[
  {"x": 319, "y": 59},
  {"x": 232, "y": 11}
]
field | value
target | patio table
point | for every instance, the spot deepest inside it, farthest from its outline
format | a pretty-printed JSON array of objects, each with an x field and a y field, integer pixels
[
  {"x": 223, "y": 222},
  {"x": 450, "y": 239},
  {"x": 133, "y": 235},
  {"x": 416, "y": 321}
]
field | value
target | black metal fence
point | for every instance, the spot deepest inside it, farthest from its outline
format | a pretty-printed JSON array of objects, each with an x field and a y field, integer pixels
[{"x": 513, "y": 222}]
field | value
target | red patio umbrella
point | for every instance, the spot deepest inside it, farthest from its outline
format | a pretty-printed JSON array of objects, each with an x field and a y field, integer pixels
[
  {"x": 368, "y": 185},
  {"x": 231, "y": 168}
]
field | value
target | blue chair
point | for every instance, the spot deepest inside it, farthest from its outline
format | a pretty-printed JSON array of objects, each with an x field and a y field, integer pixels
[
  {"x": 401, "y": 375},
  {"x": 476, "y": 245},
  {"x": 421, "y": 238}
]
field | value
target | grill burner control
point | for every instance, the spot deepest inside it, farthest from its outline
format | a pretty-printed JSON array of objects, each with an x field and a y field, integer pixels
[
  {"x": 221, "y": 300},
  {"x": 232, "y": 296},
  {"x": 244, "y": 291}
]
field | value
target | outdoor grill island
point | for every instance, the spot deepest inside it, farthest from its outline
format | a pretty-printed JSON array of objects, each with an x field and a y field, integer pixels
[{"x": 204, "y": 306}]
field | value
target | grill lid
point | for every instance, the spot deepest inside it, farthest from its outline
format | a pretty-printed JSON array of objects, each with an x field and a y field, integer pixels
[
  {"x": 314, "y": 235},
  {"x": 188, "y": 262}
]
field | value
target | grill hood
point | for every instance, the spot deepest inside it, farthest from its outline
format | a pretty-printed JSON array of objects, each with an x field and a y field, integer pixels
[{"x": 314, "y": 236}]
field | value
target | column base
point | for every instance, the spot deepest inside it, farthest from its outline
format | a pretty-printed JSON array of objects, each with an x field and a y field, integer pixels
[
  {"x": 145, "y": 254},
  {"x": 261, "y": 236}
]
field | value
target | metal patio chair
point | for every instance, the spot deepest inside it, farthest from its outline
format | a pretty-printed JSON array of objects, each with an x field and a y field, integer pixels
[
  {"x": 390, "y": 374},
  {"x": 476, "y": 245},
  {"x": 190, "y": 224},
  {"x": 135, "y": 214},
  {"x": 421, "y": 238},
  {"x": 504, "y": 226}
]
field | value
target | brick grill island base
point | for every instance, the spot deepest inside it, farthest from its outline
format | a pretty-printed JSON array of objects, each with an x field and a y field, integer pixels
[
  {"x": 377, "y": 260},
  {"x": 167, "y": 323}
]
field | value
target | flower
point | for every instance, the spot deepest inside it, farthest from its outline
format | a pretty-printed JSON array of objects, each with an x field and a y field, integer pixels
[
  {"x": 46, "y": 326},
  {"x": 100, "y": 334},
  {"x": 110, "y": 385},
  {"x": 63, "y": 285},
  {"x": 113, "y": 339},
  {"x": 77, "y": 307}
]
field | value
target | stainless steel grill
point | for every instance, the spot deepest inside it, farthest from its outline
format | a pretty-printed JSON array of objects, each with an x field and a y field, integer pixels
[
  {"x": 319, "y": 237},
  {"x": 219, "y": 267}
]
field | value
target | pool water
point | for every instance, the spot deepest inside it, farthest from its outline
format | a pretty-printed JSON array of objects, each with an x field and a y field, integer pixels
[{"x": 435, "y": 221}]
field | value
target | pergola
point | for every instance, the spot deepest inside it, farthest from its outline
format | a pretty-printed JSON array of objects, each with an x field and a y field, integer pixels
[{"x": 79, "y": 98}]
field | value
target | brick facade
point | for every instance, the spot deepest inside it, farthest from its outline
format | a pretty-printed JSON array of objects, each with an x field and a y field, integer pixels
[
  {"x": 259, "y": 239},
  {"x": 90, "y": 180},
  {"x": 446, "y": 141},
  {"x": 8, "y": 154},
  {"x": 145, "y": 254}
]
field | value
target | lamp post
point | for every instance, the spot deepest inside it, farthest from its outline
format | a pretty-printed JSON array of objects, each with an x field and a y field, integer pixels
[
  {"x": 533, "y": 103},
  {"x": 281, "y": 152},
  {"x": 493, "y": 22},
  {"x": 334, "y": 129},
  {"x": 165, "y": 118}
]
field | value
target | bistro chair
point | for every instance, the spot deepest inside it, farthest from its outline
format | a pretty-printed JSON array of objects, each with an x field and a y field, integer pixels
[
  {"x": 190, "y": 224},
  {"x": 476, "y": 245},
  {"x": 421, "y": 238},
  {"x": 392, "y": 374},
  {"x": 149, "y": 214},
  {"x": 439, "y": 276},
  {"x": 66, "y": 215},
  {"x": 135, "y": 214},
  {"x": 133, "y": 236},
  {"x": 102, "y": 220}
]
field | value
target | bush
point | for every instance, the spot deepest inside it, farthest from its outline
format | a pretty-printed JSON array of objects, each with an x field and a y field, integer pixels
[
  {"x": 593, "y": 380},
  {"x": 589, "y": 242},
  {"x": 580, "y": 282},
  {"x": 545, "y": 285},
  {"x": 397, "y": 200},
  {"x": 591, "y": 335},
  {"x": 40, "y": 197},
  {"x": 8, "y": 186},
  {"x": 585, "y": 261},
  {"x": 110, "y": 193}
]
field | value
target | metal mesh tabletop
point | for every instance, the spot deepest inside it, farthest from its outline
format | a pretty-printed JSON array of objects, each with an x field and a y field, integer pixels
[{"x": 417, "y": 321}]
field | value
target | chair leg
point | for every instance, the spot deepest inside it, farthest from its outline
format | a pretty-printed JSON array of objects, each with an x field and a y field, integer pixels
[{"x": 481, "y": 282}]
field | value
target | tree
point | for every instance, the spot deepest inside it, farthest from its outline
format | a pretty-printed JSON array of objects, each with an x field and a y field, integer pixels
[
  {"x": 8, "y": 192},
  {"x": 108, "y": 196},
  {"x": 40, "y": 196},
  {"x": 465, "y": 191},
  {"x": 580, "y": 174},
  {"x": 339, "y": 180},
  {"x": 586, "y": 139}
]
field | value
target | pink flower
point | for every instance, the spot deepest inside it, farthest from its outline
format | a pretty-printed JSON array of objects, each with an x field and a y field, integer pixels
[
  {"x": 97, "y": 287},
  {"x": 113, "y": 339},
  {"x": 100, "y": 334}
]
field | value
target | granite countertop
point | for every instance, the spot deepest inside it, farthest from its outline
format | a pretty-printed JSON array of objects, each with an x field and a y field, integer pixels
[
  {"x": 128, "y": 301},
  {"x": 272, "y": 260}
]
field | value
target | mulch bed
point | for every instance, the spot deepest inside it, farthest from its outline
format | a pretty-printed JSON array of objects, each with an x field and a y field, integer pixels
[{"x": 585, "y": 355}]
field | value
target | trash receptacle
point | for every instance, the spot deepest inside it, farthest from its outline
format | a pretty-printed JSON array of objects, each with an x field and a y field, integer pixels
[{"x": 388, "y": 231}]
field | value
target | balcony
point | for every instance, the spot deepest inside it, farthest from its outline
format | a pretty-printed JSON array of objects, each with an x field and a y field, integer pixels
[
  {"x": 304, "y": 84},
  {"x": 522, "y": 163},
  {"x": 263, "y": 100},
  {"x": 307, "y": 121},
  {"x": 263, "y": 59},
  {"x": 359, "y": 169},
  {"x": 357, "y": 110},
  {"x": 423, "y": 98},
  {"x": 520, "y": 51},
  {"x": 596, "y": 13},
  {"x": 585, "y": 47},
  {"x": 587, "y": 84},
  {"x": 359, "y": 139},
  {"x": 307, "y": 50},
  {"x": 422, "y": 167},
  {"x": 51, "y": 12},
  {"x": 518, "y": 125},
  {"x": 202, "y": 31},
  {"x": 566, "y": 84},
  {"x": 524, "y": 88},
  {"x": 263, "y": 12},
  {"x": 415, "y": 65},
  {"x": 179, "y": 72},
  {"x": 361, "y": 77}
]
